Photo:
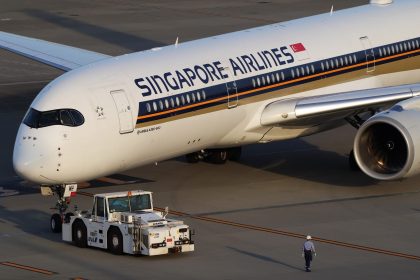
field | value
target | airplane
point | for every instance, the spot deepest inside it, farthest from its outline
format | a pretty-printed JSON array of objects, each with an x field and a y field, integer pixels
[{"x": 207, "y": 98}]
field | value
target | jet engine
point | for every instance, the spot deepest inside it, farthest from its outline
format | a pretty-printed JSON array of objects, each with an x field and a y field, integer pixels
[{"x": 387, "y": 146}]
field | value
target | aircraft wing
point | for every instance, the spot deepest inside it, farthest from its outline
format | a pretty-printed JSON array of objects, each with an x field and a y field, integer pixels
[
  {"x": 315, "y": 110},
  {"x": 59, "y": 56}
]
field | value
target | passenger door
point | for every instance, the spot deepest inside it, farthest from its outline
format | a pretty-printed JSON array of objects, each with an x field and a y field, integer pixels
[
  {"x": 123, "y": 107},
  {"x": 231, "y": 89},
  {"x": 370, "y": 55}
]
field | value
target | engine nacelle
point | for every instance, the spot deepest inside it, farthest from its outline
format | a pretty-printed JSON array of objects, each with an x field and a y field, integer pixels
[{"x": 387, "y": 146}]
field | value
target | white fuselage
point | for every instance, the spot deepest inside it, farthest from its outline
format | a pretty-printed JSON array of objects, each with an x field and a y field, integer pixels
[{"x": 154, "y": 105}]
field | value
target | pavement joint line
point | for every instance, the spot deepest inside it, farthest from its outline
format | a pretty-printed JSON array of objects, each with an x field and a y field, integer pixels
[
  {"x": 296, "y": 235},
  {"x": 25, "y": 83},
  {"x": 286, "y": 233},
  {"x": 29, "y": 268}
]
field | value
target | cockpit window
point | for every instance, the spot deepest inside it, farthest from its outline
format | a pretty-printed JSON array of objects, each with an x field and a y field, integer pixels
[{"x": 66, "y": 117}]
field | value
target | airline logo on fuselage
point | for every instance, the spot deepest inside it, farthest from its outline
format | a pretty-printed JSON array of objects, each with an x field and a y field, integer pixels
[{"x": 215, "y": 71}]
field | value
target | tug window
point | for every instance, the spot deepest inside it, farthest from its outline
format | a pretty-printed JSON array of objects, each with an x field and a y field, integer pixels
[{"x": 66, "y": 117}]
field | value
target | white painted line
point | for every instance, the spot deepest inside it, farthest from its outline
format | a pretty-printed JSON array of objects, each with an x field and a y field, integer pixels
[{"x": 5, "y": 192}]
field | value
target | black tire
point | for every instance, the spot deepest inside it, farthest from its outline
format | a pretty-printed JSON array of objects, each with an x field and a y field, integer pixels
[
  {"x": 234, "y": 154},
  {"x": 56, "y": 223},
  {"x": 352, "y": 162},
  {"x": 219, "y": 156},
  {"x": 115, "y": 241},
  {"x": 79, "y": 234},
  {"x": 67, "y": 217},
  {"x": 192, "y": 158}
]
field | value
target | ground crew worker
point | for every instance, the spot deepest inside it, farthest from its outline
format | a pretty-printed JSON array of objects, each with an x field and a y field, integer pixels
[{"x": 308, "y": 252}]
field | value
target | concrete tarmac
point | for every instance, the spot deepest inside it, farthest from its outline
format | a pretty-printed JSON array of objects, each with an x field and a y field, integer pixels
[{"x": 302, "y": 186}]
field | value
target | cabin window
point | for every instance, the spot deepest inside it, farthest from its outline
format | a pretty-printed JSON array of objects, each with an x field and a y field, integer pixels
[
  {"x": 327, "y": 64},
  {"x": 293, "y": 73},
  {"x": 188, "y": 98},
  {"x": 392, "y": 49},
  {"x": 198, "y": 96},
  {"x": 282, "y": 76},
  {"x": 322, "y": 66},
  {"x": 166, "y": 104},
  {"x": 297, "y": 72},
  {"x": 192, "y": 97},
  {"x": 313, "y": 69},
  {"x": 417, "y": 43},
  {"x": 203, "y": 95},
  {"x": 380, "y": 52},
  {"x": 401, "y": 48},
  {"x": 172, "y": 103},
  {"x": 263, "y": 80},
  {"x": 405, "y": 46},
  {"x": 253, "y": 83},
  {"x": 160, "y": 105},
  {"x": 177, "y": 101},
  {"x": 413, "y": 45},
  {"x": 272, "y": 78},
  {"x": 258, "y": 82},
  {"x": 355, "y": 58},
  {"x": 182, "y": 100},
  {"x": 268, "y": 80},
  {"x": 154, "y": 106}
]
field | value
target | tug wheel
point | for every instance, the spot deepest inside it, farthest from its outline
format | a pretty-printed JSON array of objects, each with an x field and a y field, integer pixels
[
  {"x": 79, "y": 234},
  {"x": 115, "y": 241},
  {"x": 56, "y": 223}
]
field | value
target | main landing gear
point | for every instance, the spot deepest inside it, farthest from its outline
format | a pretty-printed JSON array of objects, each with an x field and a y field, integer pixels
[
  {"x": 63, "y": 194},
  {"x": 216, "y": 156}
]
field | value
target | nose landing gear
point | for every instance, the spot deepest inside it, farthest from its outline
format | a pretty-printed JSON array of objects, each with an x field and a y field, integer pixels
[{"x": 64, "y": 194}]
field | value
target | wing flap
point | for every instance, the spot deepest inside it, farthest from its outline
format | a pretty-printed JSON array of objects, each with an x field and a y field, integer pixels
[
  {"x": 307, "y": 111},
  {"x": 57, "y": 55}
]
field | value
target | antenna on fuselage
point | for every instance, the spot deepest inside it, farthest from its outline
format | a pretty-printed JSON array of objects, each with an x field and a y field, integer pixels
[
  {"x": 176, "y": 42},
  {"x": 332, "y": 10}
]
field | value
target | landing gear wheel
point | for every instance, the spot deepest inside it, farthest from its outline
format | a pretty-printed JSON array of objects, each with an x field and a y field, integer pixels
[
  {"x": 115, "y": 241},
  {"x": 235, "y": 153},
  {"x": 192, "y": 158},
  {"x": 352, "y": 162},
  {"x": 56, "y": 223},
  {"x": 79, "y": 234},
  {"x": 219, "y": 156}
]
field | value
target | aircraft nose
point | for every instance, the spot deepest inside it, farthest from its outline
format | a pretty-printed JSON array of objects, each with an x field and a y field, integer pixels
[
  {"x": 27, "y": 158},
  {"x": 24, "y": 164}
]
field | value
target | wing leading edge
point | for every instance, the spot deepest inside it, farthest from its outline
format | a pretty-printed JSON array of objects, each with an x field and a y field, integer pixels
[
  {"x": 313, "y": 110},
  {"x": 57, "y": 55}
]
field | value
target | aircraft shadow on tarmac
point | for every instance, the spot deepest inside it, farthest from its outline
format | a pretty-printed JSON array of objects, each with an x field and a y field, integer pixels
[
  {"x": 264, "y": 258},
  {"x": 300, "y": 159},
  {"x": 128, "y": 41},
  {"x": 30, "y": 221}
]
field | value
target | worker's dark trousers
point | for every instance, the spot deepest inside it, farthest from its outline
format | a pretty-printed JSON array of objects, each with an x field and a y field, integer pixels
[{"x": 308, "y": 259}]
